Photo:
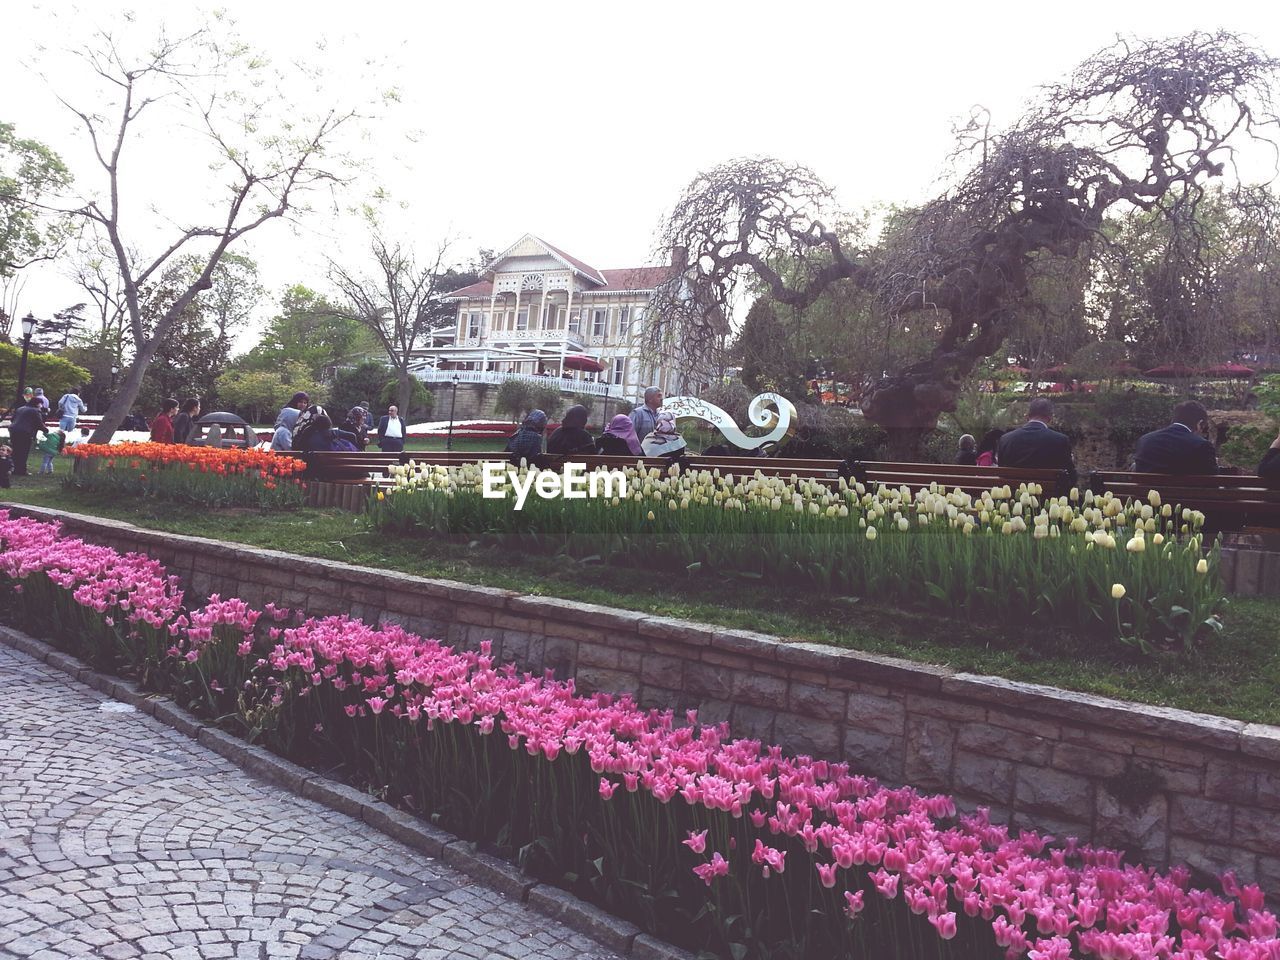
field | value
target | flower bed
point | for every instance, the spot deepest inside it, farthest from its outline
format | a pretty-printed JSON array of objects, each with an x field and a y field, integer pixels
[
  {"x": 205, "y": 475},
  {"x": 712, "y": 842},
  {"x": 1132, "y": 571}
]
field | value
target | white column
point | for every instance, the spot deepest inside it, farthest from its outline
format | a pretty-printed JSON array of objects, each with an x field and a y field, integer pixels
[
  {"x": 542, "y": 307},
  {"x": 516, "y": 315},
  {"x": 568, "y": 310},
  {"x": 493, "y": 299}
]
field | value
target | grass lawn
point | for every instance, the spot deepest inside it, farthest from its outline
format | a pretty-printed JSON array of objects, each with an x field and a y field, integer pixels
[{"x": 1239, "y": 676}]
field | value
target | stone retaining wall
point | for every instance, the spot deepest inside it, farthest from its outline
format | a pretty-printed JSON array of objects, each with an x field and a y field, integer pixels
[{"x": 1167, "y": 785}]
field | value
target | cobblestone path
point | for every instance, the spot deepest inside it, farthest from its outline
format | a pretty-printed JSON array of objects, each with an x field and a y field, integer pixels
[{"x": 120, "y": 837}]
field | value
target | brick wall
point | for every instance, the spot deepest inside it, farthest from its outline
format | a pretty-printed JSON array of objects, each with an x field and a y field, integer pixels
[{"x": 1167, "y": 785}]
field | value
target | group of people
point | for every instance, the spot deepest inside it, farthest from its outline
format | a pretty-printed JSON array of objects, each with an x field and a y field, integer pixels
[
  {"x": 1180, "y": 449},
  {"x": 175, "y": 423},
  {"x": 27, "y": 421},
  {"x": 647, "y": 431},
  {"x": 305, "y": 426}
]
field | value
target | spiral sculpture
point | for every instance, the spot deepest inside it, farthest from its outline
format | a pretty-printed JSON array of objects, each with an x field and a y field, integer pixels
[{"x": 769, "y": 411}]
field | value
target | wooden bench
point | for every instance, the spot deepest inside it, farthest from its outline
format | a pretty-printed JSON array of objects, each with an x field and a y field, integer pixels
[
  {"x": 973, "y": 480},
  {"x": 1229, "y": 502},
  {"x": 332, "y": 466}
]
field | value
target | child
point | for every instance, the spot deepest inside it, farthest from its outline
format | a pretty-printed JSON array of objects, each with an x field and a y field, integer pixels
[
  {"x": 50, "y": 445},
  {"x": 6, "y": 466}
]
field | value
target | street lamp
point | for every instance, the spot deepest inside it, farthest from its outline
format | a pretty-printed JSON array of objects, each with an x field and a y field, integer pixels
[
  {"x": 453, "y": 402},
  {"x": 29, "y": 324},
  {"x": 114, "y": 370}
]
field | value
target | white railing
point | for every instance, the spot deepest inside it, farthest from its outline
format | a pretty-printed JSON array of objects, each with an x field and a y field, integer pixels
[{"x": 586, "y": 387}]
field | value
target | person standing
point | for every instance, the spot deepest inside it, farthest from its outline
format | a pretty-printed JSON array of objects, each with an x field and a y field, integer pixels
[
  {"x": 70, "y": 407},
  {"x": 162, "y": 425},
  {"x": 645, "y": 418},
  {"x": 27, "y": 422},
  {"x": 1180, "y": 448},
  {"x": 1035, "y": 445},
  {"x": 42, "y": 400},
  {"x": 185, "y": 421},
  {"x": 391, "y": 431}
]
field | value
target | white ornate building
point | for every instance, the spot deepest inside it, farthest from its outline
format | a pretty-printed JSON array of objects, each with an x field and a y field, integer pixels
[{"x": 538, "y": 312}]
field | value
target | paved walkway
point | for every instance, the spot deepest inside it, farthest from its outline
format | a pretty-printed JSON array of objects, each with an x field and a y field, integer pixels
[{"x": 120, "y": 837}]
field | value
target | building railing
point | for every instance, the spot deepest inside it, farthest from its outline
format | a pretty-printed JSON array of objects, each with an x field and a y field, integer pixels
[{"x": 586, "y": 387}]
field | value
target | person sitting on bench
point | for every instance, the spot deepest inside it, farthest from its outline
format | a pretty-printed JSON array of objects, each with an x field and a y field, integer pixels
[
  {"x": 526, "y": 443},
  {"x": 1269, "y": 468},
  {"x": 1180, "y": 448},
  {"x": 571, "y": 436},
  {"x": 1036, "y": 446}
]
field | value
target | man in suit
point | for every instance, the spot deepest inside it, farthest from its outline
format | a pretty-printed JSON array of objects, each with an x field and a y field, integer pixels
[
  {"x": 391, "y": 431},
  {"x": 1181, "y": 447},
  {"x": 1035, "y": 445}
]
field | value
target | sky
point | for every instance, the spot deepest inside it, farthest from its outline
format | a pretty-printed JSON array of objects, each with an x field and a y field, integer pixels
[{"x": 582, "y": 122}]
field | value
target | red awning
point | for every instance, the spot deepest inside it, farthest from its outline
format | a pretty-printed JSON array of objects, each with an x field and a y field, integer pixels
[
  {"x": 580, "y": 361},
  {"x": 1229, "y": 370}
]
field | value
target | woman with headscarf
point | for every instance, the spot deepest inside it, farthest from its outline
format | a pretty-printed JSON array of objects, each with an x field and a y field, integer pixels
[
  {"x": 526, "y": 443},
  {"x": 664, "y": 441},
  {"x": 571, "y": 436},
  {"x": 315, "y": 431},
  {"x": 355, "y": 425},
  {"x": 620, "y": 439}
]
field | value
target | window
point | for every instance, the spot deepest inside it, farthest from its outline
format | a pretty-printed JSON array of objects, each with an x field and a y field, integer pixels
[
  {"x": 551, "y": 317},
  {"x": 473, "y": 324},
  {"x": 619, "y": 369},
  {"x": 624, "y": 321},
  {"x": 599, "y": 321},
  {"x": 522, "y": 319},
  {"x": 575, "y": 323},
  {"x": 637, "y": 320}
]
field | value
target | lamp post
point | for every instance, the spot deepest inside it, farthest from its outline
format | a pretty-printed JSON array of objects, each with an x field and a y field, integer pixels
[
  {"x": 453, "y": 402},
  {"x": 29, "y": 325},
  {"x": 115, "y": 369}
]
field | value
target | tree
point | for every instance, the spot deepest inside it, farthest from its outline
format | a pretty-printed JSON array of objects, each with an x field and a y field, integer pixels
[
  {"x": 55, "y": 375},
  {"x": 258, "y": 394},
  {"x": 515, "y": 398},
  {"x": 1139, "y": 125},
  {"x": 31, "y": 175},
  {"x": 308, "y": 329},
  {"x": 770, "y": 358},
  {"x": 398, "y": 304},
  {"x": 262, "y": 150}
]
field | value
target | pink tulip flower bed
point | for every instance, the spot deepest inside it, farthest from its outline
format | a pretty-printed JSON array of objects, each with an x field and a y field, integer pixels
[{"x": 724, "y": 845}]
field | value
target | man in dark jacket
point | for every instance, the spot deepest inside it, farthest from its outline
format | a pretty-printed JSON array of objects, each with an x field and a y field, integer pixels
[
  {"x": 1179, "y": 448},
  {"x": 1035, "y": 446},
  {"x": 27, "y": 421},
  {"x": 391, "y": 431},
  {"x": 185, "y": 421}
]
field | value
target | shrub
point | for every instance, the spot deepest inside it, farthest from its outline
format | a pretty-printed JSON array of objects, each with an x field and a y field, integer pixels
[
  {"x": 515, "y": 398},
  {"x": 549, "y": 399}
]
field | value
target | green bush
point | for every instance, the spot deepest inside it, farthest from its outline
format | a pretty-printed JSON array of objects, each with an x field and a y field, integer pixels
[
  {"x": 549, "y": 399},
  {"x": 1246, "y": 446},
  {"x": 515, "y": 398}
]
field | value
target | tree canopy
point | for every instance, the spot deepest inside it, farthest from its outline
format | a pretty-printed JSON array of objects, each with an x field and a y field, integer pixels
[{"x": 1142, "y": 125}]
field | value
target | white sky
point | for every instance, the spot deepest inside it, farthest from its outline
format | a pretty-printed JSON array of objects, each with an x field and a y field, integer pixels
[{"x": 581, "y": 122}]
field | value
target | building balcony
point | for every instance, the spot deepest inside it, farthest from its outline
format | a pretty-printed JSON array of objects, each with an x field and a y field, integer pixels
[{"x": 429, "y": 374}]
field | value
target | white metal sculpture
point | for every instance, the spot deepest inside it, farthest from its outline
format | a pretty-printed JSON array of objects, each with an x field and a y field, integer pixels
[{"x": 769, "y": 411}]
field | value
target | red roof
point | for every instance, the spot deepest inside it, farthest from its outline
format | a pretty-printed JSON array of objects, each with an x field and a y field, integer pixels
[
  {"x": 579, "y": 265},
  {"x": 623, "y": 279}
]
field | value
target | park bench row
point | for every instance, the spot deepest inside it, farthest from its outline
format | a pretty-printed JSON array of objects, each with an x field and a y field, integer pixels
[{"x": 1230, "y": 502}]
